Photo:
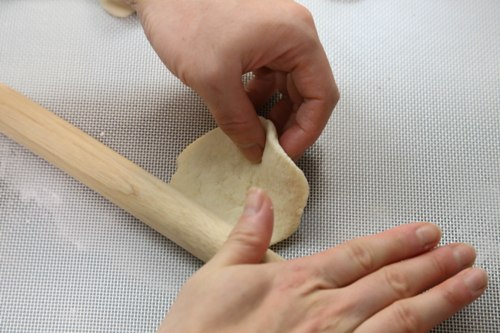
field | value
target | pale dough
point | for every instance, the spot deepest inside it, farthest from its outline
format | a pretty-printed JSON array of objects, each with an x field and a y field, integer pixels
[
  {"x": 212, "y": 172},
  {"x": 117, "y": 8}
]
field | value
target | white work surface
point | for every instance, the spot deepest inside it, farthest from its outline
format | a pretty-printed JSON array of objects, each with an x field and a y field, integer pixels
[{"x": 416, "y": 136}]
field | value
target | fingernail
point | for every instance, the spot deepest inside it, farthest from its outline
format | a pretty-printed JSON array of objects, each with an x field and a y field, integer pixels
[
  {"x": 476, "y": 280},
  {"x": 428, "y": 236},
  {"x": 253, "y": 202},
  {"x": 464, "y": 254}
]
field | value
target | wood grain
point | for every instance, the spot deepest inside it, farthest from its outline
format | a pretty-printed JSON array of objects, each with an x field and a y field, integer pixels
[{"x": 119, "y": 180}]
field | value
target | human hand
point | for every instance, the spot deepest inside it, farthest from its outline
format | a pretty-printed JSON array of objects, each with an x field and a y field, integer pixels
[
  {"x": 209, "y": 44},
  {"x": 371, "y": 284}
]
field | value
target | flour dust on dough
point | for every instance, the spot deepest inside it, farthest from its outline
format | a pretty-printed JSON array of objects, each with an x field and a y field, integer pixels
[{"x": 212, "y": 172}]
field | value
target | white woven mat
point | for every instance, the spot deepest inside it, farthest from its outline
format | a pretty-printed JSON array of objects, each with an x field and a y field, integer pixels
[{"x": 416, "y": 136}]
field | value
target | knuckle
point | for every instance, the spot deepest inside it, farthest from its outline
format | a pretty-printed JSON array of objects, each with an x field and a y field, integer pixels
[
  {"x": 245, "y": 237},
  {"x": 205, "y": 73},
  {"x": 297, "y": 275},
  {"x": 406, "y": 318},
  {"x": 438, "y": 265},
  {"x": 195, "y": 74},
  {"x": 232, "y": 125},
  {"x": 299, "y": 279},
  {"x": 453, "y": 296},
  {"x": 398, "y": 282},
  {"x": 298, "y": 19},
  {"x": 328, "y": 318},
  {"x": 401, "y": 243},
  {"x": 311, "y": 130},
  {"x": 309, "y": 42},
  {"x": 301, "y": 13},
  {"x": 322, "y": 324},
  {"x": 361, "y": 255},
  {"x": 240, "y": 131},
  {"x": 211, "y": 73}
]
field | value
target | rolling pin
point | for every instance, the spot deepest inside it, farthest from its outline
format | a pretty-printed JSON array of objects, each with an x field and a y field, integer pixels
[{"x": 124, "y": 183}]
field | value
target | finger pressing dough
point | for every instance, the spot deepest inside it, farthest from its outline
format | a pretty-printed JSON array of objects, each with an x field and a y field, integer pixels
[
  {"x": 117, "y": 8},
  {"x": 212, "y": 172}
]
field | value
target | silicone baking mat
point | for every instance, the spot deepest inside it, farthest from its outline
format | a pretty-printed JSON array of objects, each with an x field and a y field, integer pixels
[{"x": 416, "y": 136}]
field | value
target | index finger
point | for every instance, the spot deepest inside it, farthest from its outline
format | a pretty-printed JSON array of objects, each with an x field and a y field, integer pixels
[
  {"x": 235, "y": 114},
  {"x": 355, "y": 259}
]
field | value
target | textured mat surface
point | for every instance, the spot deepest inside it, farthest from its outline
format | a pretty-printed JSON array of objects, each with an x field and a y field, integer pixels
[{"x": 416, "y": 136}]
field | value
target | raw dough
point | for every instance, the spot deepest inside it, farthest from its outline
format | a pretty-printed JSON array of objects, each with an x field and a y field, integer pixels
[
  {"x": 117, "y": 8},
  {"x": 212, "y": 172}
]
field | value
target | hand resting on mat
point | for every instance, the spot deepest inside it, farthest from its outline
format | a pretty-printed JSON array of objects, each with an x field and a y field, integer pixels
[{"x": 371, "y": 284}]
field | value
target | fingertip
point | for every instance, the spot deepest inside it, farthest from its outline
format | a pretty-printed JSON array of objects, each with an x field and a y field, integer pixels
[
  {"x": 259, "y": 208},
  {"x": 236, "y": 117},
  {"x": 428, "y": 234},
  {"x": 251, "y": 236},
  {"x": 476, "y": 280},
  {"x": 247, "y": 133},
  {"x": 254, "y": 202}
]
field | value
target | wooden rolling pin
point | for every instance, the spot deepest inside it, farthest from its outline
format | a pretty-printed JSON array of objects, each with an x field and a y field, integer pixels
[{"x": 122, "y": 182}]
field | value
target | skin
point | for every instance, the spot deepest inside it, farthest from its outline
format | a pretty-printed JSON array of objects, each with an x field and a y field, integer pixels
[
  {"x": 210, "y": 44},
  {"x": 370, "y": 284}
]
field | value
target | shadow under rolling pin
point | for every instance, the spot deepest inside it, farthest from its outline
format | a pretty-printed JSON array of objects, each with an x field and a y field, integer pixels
[{"x": 124, "y": 183}]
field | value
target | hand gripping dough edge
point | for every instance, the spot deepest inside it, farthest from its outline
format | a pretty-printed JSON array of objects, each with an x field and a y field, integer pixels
[{"x": 212, "y": 172}]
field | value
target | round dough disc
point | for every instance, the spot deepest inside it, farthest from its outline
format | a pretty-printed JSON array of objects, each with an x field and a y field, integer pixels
[{"x": 212, "y": 172}]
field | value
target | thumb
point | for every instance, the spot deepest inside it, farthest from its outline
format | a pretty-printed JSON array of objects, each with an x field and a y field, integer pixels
[{"x": 249, "y": 240}]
